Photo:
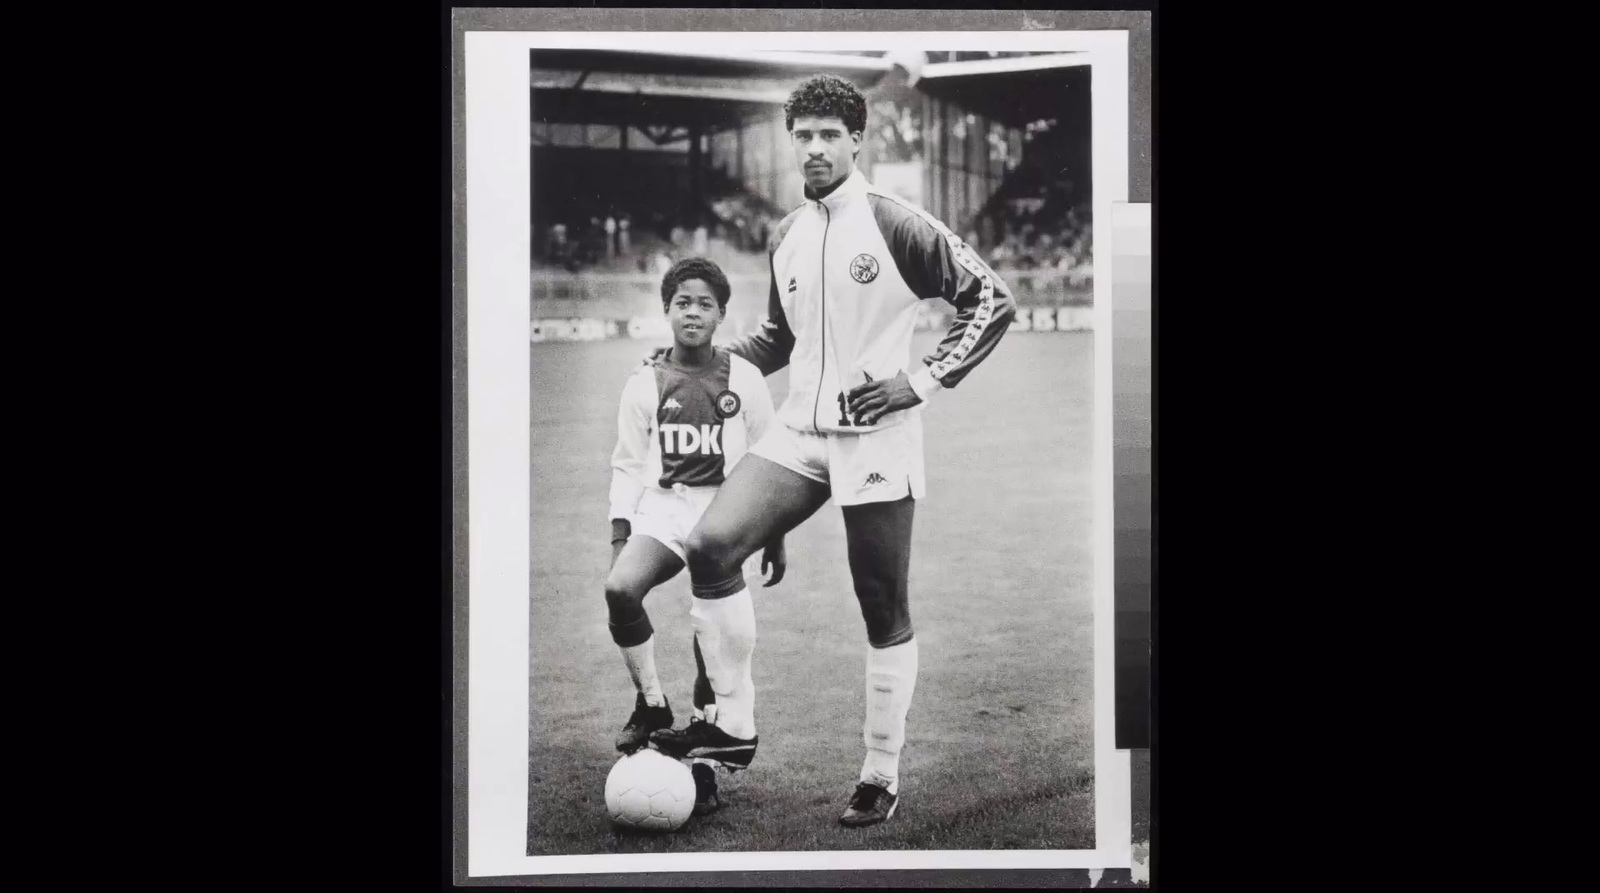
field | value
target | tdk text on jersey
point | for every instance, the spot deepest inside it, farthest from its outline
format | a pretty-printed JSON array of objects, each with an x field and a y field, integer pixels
[{"x": 687, "y": 440}]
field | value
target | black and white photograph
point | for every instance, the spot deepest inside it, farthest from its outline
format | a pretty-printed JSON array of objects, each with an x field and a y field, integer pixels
[{"x": 796, "y": 347}]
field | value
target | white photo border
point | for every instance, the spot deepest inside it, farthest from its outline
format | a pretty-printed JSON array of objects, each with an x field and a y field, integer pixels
[{"x": 498, "y": 387}]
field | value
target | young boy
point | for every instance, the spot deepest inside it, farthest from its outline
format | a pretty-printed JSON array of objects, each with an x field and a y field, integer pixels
[{"x": 685, "y": 420}]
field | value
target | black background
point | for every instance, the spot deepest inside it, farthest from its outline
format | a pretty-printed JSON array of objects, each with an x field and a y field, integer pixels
[{"x": 342, "y": 327}]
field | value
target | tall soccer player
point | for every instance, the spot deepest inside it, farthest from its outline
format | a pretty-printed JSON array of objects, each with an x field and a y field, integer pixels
[
  {"x": 685, "y": 421},
  {"x": 849, "y": 269}
]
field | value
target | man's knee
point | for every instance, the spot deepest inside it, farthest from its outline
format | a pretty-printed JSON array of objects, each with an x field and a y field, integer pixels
[
  {"x": 623, "y": 598},
  {"x": 885, "y": 608},
  {"x": 711, "y": 554}
]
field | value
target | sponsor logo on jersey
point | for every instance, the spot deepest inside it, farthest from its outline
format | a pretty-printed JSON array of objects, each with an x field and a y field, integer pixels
[
  {"x": 727, "y": 405},
  {"x": 671, "y": 404},
  {"x": 691, "y": 440},
  {"x": 864, "y": 268}
]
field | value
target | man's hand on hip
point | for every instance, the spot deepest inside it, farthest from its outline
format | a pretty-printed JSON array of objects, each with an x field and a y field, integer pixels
[{"x": 871, "y": 401}]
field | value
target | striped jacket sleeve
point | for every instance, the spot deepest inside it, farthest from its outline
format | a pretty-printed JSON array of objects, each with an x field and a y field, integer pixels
[{"x": 936, "y": 263}]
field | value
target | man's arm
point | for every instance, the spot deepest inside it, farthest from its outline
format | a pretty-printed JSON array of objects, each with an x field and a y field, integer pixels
[
  {"x": 768, "y": 347},
  {"x": 936, "y": 264}
]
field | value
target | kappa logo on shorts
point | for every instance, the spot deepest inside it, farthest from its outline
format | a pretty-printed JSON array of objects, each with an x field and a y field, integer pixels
[
  {"x": 727, "y": 405},
  {"x": 864, "y": 268},
  {"x": 874, "y": 479}
]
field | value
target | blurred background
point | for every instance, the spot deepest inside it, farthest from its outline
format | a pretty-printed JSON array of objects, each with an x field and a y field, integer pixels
[{"x": 642, "y": 158}]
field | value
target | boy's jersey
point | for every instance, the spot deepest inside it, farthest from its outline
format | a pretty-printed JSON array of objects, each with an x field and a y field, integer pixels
[
  {"x": 680, "y": 427},
  {"x": 848, "y": 273}
]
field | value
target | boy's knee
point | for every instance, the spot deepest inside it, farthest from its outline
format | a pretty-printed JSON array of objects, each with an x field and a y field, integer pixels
[{"x": 630, "y": 625}]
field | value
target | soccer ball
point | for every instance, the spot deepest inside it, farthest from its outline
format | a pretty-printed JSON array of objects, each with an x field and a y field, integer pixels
[{"x": 650, "y": 791}]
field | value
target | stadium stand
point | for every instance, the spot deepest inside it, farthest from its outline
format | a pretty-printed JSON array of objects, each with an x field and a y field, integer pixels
[{"x": 641, "y": 159}]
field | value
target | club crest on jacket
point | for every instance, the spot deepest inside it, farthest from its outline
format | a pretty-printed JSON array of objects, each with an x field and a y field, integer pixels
[{"x": 864, "y": 268}]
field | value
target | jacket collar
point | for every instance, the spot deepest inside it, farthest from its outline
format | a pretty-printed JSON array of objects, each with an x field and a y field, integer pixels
[{"x": 853, "y": 187}]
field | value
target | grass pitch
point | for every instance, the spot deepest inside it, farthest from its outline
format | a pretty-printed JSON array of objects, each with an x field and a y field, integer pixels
[{"x": 999, "y": 751}]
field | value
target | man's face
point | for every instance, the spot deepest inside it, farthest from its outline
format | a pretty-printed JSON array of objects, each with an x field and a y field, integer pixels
[
  {"x": 693, "y": 313},
  {"x": 824, "y": 149}
]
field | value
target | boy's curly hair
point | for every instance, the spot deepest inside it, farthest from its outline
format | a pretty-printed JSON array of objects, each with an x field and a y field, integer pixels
[
  {"x": 826, "y": 96},
  {"x": 695, "y": 268}
]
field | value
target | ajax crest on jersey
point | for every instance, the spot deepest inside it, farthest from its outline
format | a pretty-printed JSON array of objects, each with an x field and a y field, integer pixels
[
  {"x": 864, "y": 268},
  {"x": 649, "y": 791},
  {"x": 727, "y": 405}
]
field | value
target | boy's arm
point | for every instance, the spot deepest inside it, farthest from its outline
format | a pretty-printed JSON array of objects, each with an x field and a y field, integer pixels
[{"x": 628, "y": 460}]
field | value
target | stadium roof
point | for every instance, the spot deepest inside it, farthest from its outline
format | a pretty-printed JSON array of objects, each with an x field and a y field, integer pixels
[
  {"x": 1014, "y": 90},
  {"x": 1005, "y": 64},
  {"x": 696, "y": 88},
  {"x": 718, "y": 90},
  {"x": 586, "y": 98},
  {"x": 864, "y": 71}
]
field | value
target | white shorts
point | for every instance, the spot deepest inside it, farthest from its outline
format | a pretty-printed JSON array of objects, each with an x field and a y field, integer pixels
[
  {"x": 879, "y": 466},
  {"x": 667, "y": 516}
]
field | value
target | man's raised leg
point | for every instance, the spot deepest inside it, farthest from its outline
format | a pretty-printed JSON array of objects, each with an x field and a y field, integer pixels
[
  {"x": 760, "y": 501},
  {"x": 879, "y": 539}
]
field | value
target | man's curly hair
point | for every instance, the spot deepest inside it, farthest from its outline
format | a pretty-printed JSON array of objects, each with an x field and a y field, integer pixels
[
  {"x": 826, "y": 96},
  {"x": 695, "y": 268}
]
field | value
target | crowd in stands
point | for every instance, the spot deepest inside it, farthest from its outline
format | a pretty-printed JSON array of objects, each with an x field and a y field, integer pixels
[
  {"x": 586, "y": 243},
  {"x": 616, "y": 243},
  {"x": 1043, "y": 230},
  {"x": 1020, "y": 235},
  {"x": 731, "y": 228},
  {"x": 747, "y": 221},
  {"x": 1034, "y": 236}
]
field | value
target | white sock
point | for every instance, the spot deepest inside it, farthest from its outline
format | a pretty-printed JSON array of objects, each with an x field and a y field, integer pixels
[
  {"x": 641, "y": 661},
  {"x": 891, "y": 679},
  {"x": 726, "y": 628}
]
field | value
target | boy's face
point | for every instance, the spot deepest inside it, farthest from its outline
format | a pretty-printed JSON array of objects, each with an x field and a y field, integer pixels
[
  {"x": 693, "y": 313},
  {"x": 824, "y": 149}
]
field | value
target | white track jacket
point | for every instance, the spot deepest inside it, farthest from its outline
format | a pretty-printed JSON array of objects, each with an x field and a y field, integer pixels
[{"x": 848, "y": 272}]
